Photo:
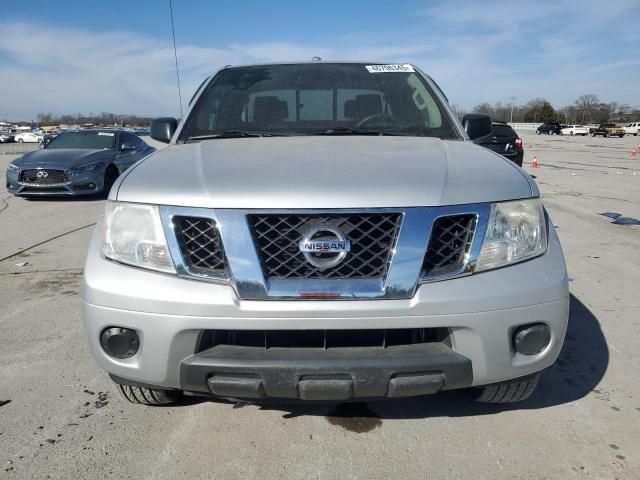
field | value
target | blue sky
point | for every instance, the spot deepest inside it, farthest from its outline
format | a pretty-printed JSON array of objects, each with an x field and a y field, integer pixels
[{"x": 90, "y": 56}]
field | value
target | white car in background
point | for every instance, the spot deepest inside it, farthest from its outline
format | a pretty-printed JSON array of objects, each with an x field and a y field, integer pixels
[
  {"x": 632, "y": 128},
  {"x": 575, "y": 130},
  {"x": 28, "y": 137}
]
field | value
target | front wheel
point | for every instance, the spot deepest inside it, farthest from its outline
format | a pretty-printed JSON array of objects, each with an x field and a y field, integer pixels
[
  {"x": 20, "y": 140},
  {"x": 511, "y": 391},
  {"x": 109, "y": 179},
  {"x": 148, "y": 396}
]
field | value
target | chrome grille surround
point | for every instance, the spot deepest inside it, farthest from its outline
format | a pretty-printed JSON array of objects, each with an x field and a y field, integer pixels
[
  {"x": 201, "y": 246},
  {"x": 35, "y": 177},
  {"x": 404, "y": 271},
  {"x": 372, "y": 237},
  {"x": 449, "y": 244}
]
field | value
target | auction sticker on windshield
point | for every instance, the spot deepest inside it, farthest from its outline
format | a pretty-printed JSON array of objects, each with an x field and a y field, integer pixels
[{"x": 389, "y": 68}]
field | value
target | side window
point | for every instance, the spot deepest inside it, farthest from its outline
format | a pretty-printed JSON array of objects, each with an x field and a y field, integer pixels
[
  {"x": 126, "y": 137},
  {"x": 136, "y": 140}
]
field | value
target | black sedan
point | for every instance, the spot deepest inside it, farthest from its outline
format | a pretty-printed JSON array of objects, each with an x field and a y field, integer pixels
[
  {"x": 505, "y": 141},
  {"x": 79, "y": 162}
]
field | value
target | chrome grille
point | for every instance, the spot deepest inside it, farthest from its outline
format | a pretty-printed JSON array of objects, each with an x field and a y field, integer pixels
[
  {"x": 44, "y": 177},
  {"x": 372, "y": 237},
  {"x": 201, "y": 245},
  {"x": 449, "y": 243}
]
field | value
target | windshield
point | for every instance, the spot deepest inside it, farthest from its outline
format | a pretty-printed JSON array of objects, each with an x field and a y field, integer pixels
[
  {"x": 323, "y": 98},
  {"x": 92, "y": 140}
]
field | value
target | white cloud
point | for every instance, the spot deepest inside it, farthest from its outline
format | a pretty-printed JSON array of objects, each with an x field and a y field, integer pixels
[{"x": 477, "y": 52}]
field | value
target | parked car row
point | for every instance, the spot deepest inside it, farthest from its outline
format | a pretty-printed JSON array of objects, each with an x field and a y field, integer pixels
[
  {"x": 604, "y": 129},
  {"x": 39, "y": 135}
]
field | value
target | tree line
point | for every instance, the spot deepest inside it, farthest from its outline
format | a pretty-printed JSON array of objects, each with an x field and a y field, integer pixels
[
  {"x": 103, "y": 119},
  {"x": 587, "y": 109}
]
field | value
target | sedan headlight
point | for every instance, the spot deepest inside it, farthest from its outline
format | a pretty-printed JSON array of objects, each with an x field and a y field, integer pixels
[
  {"x": 516, "y": 232},
  {"x": 87, "y": 167},
  {"x": 132, "y": 234},
  {"x": 13, "y": 168}
]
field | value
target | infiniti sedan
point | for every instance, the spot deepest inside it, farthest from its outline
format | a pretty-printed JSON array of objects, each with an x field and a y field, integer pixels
[{"x": 80, "y": 162}]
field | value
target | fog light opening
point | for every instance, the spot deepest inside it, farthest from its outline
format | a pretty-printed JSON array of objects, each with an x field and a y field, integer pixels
[
  {"x": 531, "y": 339},
  {"x": 120, "y": 342}
]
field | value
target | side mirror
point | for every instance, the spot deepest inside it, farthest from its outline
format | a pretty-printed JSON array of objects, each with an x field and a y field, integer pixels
[
  {"x": 162, "y": 129},
  {"x": 477, "y": 125},
  {"x": 127, "y": 147}
]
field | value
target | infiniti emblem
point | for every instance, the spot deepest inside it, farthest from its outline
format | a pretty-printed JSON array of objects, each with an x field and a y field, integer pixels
[
  {"x": 324, "y": 246},
  {"x": 42, "y": 174}
]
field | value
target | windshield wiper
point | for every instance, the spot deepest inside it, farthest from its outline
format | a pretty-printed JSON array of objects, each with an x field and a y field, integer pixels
[
  {"x": 359, "y": 131},
  {"x": 235, "y": 134}
]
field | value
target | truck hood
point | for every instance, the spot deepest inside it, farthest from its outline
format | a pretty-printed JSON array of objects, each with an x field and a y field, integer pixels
[
  {"x": 62, "y": 158},
  {"x": 309, "y": 172}
]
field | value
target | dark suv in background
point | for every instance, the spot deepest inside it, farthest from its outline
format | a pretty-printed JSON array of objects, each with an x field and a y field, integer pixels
[
  {"x": 549, "y": 128},
  {"x": 505, "y": 141}
]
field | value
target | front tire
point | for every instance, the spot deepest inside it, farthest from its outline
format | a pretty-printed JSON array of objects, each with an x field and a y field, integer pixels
[
  {"x": 20, "y": 140},
  {"x": 110, "y": 178},
  {"x": 148, "y": 396},
  {"x": 511, "y": 391}
]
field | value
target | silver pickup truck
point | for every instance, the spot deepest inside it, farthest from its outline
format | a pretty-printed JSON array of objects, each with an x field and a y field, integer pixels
[{"x": 324, "y": 231}]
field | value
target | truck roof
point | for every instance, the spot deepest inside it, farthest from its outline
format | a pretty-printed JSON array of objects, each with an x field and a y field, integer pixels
[{"x": 306, "y": 62}]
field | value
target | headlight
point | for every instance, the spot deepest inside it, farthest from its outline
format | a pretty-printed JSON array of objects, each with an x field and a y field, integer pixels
[
  {"x": 12, "y": 167},
  {"x": 132, "y": 234},
  {"x": 87, "y": 167},
  {"x": 516, "y": 232}
]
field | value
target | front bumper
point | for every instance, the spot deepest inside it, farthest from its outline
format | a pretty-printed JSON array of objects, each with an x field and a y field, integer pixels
[
  {"x": 338, "y": 374},
  {"x": 80, "y": 183},
  {"x": 480, "y": 311}
]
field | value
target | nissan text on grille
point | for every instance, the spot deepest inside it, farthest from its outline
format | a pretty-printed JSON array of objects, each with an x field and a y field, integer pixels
[{"x": 324, "y": 231}]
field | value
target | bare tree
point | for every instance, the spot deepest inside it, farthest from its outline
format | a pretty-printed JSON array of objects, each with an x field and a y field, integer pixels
[{"x": 586, "y": 104}]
